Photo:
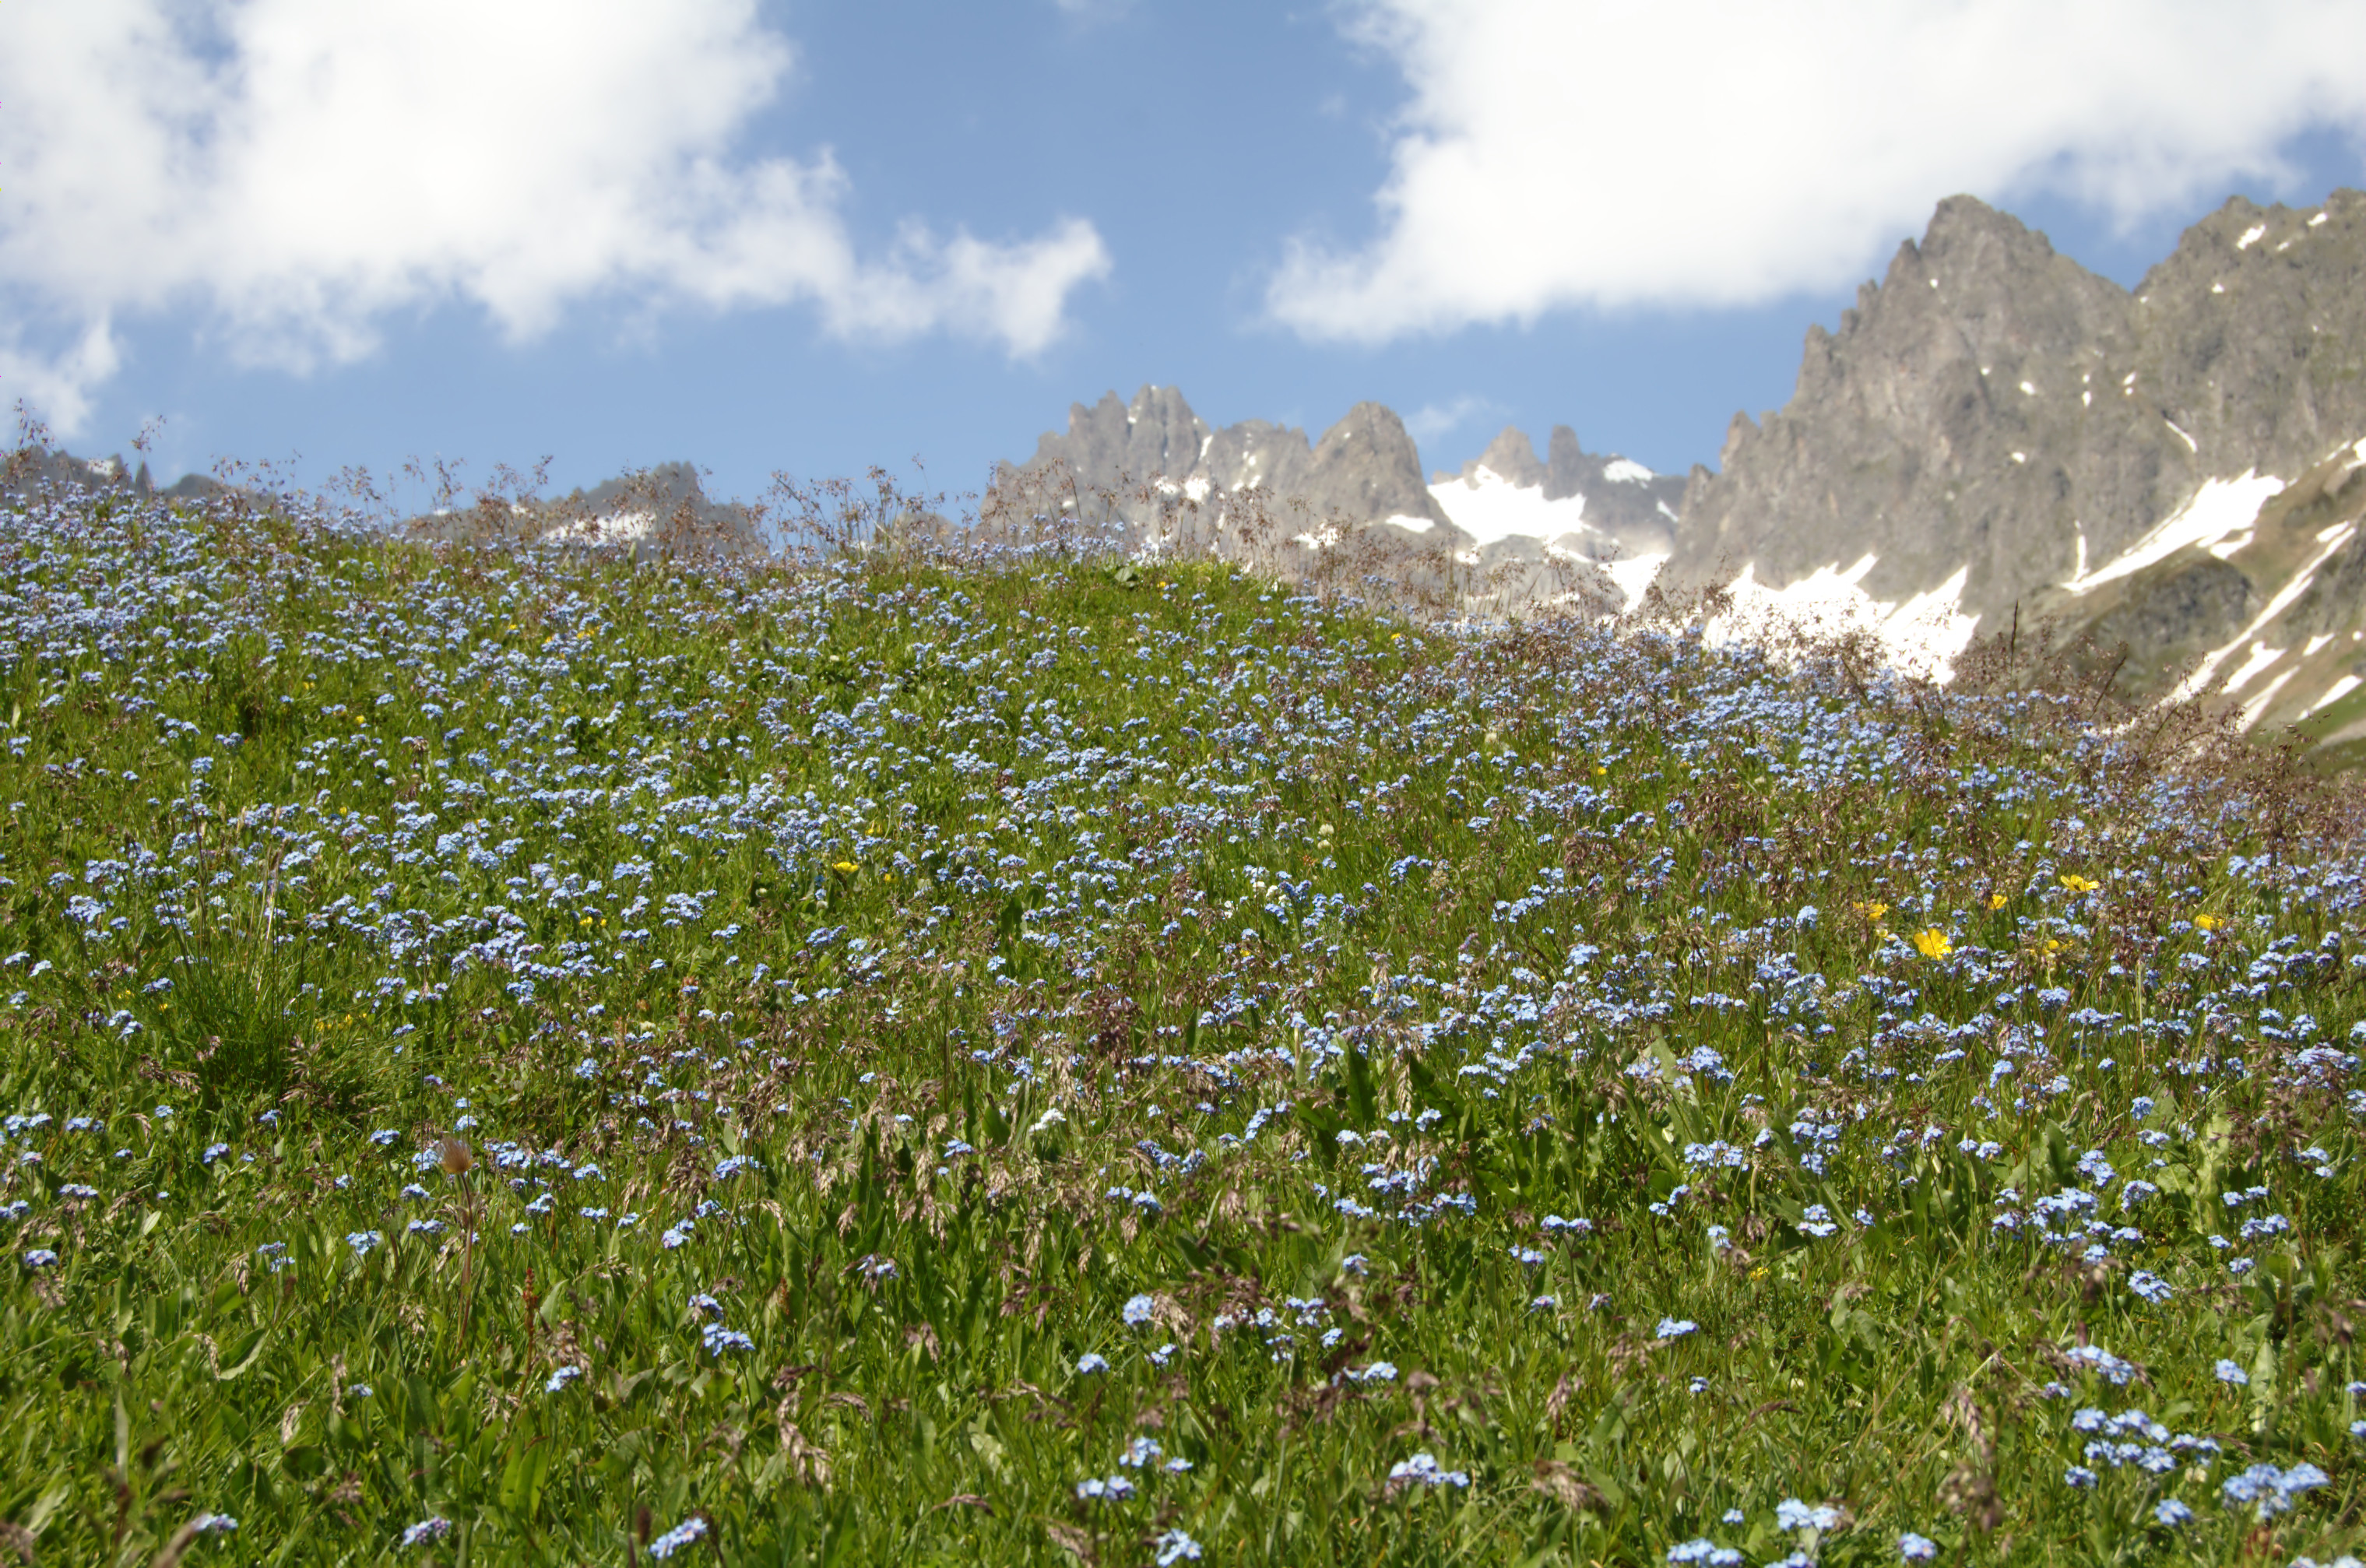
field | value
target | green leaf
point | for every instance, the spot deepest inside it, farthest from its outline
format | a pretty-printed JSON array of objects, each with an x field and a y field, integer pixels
[{"x": 242, "y": 1355}]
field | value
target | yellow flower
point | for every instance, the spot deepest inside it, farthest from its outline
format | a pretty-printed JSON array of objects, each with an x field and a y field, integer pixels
[
  {"x": 1599, "y": 769},
  {"x": 2078, "y": 884},
  {"x": 846, "y": 868},
  {"x": 1871, "y": 910},
  {"x": 1933, "y": 943},
  {"x": 2208, "y": 922},
  {"x": 1996, "y": 900}
]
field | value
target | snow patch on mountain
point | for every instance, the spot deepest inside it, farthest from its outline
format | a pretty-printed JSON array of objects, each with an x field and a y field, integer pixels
[
  {"x": 1496, "y": 509},
  {"x": 1922, "y": 634},
  {"x": 2334, "y": 694},
  {"x": 2219, "y": 511},
  {"x": 1634, "y": 574},
  {"x": 1489, "y": 507},
  {"x": 608, "y": 528},
  {"x": 2331, "y": 542}
]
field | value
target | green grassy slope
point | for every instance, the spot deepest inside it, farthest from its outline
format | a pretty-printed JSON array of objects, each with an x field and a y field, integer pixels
[{"x": 532, "y": 1060}]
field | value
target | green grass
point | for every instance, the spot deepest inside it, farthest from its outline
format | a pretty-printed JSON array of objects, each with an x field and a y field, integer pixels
[{"x": 1049, "y": 946}]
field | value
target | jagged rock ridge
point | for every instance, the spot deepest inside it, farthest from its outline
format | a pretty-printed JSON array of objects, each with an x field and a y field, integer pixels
[
  {"x": 647, "y": 511},
  {"x": 1993, "y": 426},
  {"x": 32, "y": 469},
  {"x": 1364, "y": 467},
  {"x": 1990, "y": 404},
  {"x": 1508, "y": 531}
]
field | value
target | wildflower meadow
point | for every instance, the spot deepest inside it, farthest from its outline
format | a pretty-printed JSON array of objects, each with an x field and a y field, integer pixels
[{"x": 515, "y": 1054}]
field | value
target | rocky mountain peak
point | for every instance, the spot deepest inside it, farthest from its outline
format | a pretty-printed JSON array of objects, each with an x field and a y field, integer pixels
[
  {"x": 1510, "y": 456},
  {"x": 1365, "y": 467},
  {"x": 2253, "y": 336},
  {"x": 1992, "y": 407}
]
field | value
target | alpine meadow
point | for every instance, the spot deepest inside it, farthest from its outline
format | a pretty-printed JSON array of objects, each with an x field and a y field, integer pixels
[{"x": 970, "y": 1045}]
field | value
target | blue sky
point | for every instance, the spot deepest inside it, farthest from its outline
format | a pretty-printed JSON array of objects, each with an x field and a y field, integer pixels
[{"x": 807, "y": 238}]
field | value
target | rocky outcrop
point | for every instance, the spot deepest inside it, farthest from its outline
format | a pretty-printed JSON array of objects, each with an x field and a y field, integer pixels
[
  {"x": 1992, "y": 407},
  {"x": 1139, "y": 455},
  {"x": 33, "y": 469},
  {"x": 2264, "y": 612},
  {"x": 647, "y": 512},
  {"x": 1510, "y": 532},
  {"x": 2166, "y": 482}
]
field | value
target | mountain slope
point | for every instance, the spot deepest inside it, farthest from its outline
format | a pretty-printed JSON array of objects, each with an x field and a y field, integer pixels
[
  {"x": 1508, "y": 531},
  {"x": 1364, "y": 468},
  {"x": 645, "y": 511},
  {"x": 2262, "y": 604},
  {"x": 1993, "y": 424}
]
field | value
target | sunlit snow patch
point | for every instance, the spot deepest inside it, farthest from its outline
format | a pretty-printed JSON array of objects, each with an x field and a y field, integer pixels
[
  {"x": 616, "y": 529},
  {"x": 2219, "y": 510},
  {"x": 1633, "y": 574},
  {"x": 2261, "y": 657},
  {"x": 2335, "y": 693},
  {"x": 1489, "y": 507},
  {"x": 2257, "y": 706},
  {"x": 1920, "y": 636},
  {"x": 2283, "y": 600}
]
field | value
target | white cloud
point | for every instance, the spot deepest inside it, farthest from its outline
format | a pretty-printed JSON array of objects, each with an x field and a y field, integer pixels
[
  {"x": 1433, "y": 420},
  {"x": 299, "y": 171},
  {"x": 1684, "y": 153},
  {"x": 55, "y": 388}
]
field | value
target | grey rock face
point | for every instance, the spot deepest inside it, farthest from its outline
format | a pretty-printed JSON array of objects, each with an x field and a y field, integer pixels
[
  {"x": 2268, "y": 620},
  {"x": 1902, "y": 438},
  {"x": 648, "y": 513},
  {"x": 1158, "y": 469},
  {"x": 1156, "y": 436},
  {"x": 1624, "y": 500},
  {"x": 2189, "y": 606},
  {"x": 1990, "y": 402},
  {"x": 34, "y": 469},
  {"x": 670, "y": 492},
  {"x": 1364, "y": 468},
  {"x": 1514, "y": 455}
]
